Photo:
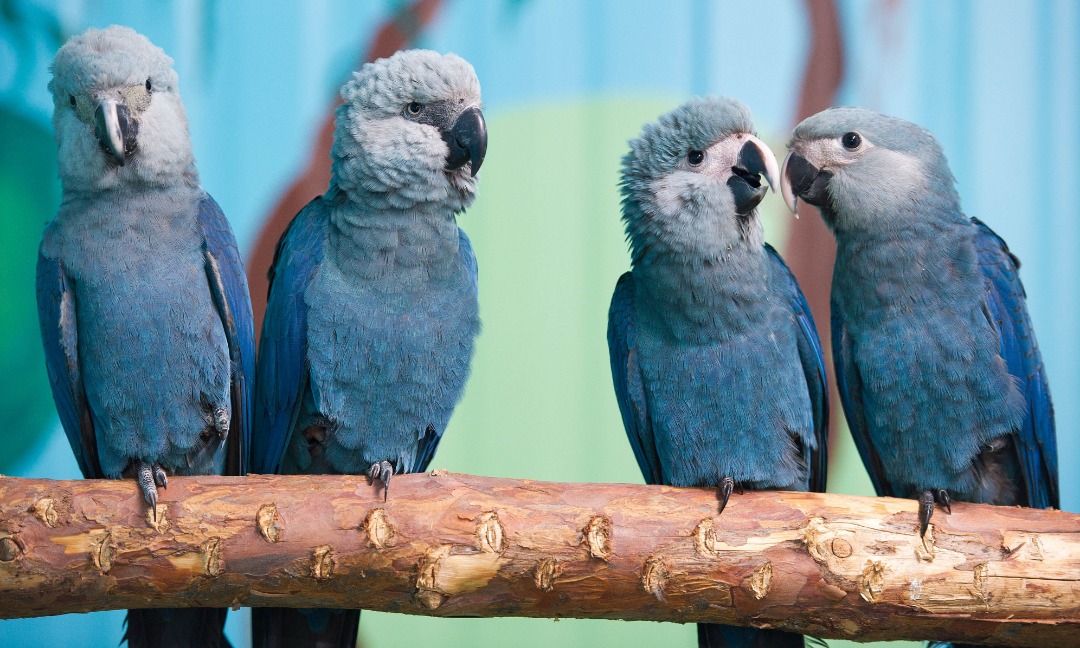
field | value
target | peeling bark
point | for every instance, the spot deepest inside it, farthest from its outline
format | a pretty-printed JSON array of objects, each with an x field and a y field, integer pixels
[{"x": 457, "y": 545}]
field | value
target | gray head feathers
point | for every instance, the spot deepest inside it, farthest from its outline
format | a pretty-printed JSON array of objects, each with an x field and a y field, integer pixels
[
  {"x": 386, "y": 160},
  {"x": 118, "y": 117},
  {"x": 886, "y": 173},
  {"x": 696, "y": 124},
  {"x": 677, "y": 183},
  {"x": 386, "y": 85},
  {"x": 105, "y": 58}
]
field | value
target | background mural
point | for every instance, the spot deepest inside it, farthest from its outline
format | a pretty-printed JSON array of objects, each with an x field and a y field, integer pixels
[{"x": 565, "y": 86}]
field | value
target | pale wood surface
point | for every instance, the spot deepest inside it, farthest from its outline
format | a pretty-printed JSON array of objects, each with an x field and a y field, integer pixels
[{"x": 457, "y": 545}]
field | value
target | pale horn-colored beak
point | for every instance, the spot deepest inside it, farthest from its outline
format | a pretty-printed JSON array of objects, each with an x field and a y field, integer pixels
[
  {"x": 790, "y": 199},
  {"x": 772, "y": 173},
  {"x": 107, "y": 129}
]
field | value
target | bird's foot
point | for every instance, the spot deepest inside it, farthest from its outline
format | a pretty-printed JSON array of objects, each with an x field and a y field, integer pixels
[
  {"x": 926, "y": 507},
  {"x": 221, "y": 422},
  {"x": 149, "y": 477},
  {"x": 381, "y": 471},
  {"x": 727, "y": 484}
]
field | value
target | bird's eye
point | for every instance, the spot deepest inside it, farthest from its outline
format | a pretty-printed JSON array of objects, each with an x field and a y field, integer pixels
[
  {"x": 851, "y": 141},
  {"x": 414, "y": 108},
  {"x": 695, "y": 157},
  {"x": 149, "y": 86},
  {"x": 71, "y": 100}
]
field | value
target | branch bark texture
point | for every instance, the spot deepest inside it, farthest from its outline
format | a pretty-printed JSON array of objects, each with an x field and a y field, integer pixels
[{"x": 457, "y": 545}]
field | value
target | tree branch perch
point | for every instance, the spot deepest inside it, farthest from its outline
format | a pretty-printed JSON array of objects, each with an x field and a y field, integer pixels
[{"x": 457, "y": 545}]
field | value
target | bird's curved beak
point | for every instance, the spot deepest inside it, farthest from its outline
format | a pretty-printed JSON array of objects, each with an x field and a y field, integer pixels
[
  {"x": 755, "y": 160},
  {"x": 467, "y": 141},
  {"x": 115, "y": 129},
  {"x": 801, "y": 179}
]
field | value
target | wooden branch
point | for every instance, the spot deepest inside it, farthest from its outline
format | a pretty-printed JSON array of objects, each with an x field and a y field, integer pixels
[{"x": 455, "y": 545}]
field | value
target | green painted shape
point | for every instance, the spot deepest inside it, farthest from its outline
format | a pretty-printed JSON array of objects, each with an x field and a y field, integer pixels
[{"x": 29, "y": 196}]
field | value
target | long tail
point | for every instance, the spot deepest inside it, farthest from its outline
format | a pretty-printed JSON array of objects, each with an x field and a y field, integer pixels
[
  {"x": 711, "y": 635},
  {"x": 291, "y": 628},
  {"x": 176, "y": 628}
]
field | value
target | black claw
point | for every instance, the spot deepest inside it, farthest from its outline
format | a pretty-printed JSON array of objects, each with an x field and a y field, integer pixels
[
  {"x": 943, "y": 499},
  {"x": 160, "y": 478},
  {"x": 727, "y": 484},
  {"x": 926, "y": 511}
]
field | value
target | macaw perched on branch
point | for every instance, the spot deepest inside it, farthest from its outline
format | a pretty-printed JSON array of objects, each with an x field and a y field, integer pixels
[
  {"x": 936, "y": 360},
  {"x": 373, "y": 310},
  {"x": 142, "y": 297},
  {"x": 717, "y": 366}
]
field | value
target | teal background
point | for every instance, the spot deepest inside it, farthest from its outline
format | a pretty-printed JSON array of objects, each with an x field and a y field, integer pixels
[{"x": 566, "y": 84}]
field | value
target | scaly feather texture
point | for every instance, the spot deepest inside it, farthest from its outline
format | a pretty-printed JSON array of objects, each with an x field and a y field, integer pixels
[
  {"x": 372, "y": 310},
  {"x": 716, "y": 362},
  {"x": 936, "y": 360},
  {"x": 143, "y": 302}
]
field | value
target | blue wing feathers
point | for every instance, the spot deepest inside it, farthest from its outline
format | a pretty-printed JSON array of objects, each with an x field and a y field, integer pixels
[
  {"x": 629, "y": 389},
  {"x": 228, "y": 285},
  {"x": 282, "y": 364},
  {"x": 1035, "y": 442},
  {"x": 849, "y": 385},
  {"x": 59, "y": 335},
  {"x": 813, "y": 363}
]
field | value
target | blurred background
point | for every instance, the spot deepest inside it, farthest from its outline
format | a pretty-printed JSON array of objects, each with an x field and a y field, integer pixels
[{"x": 565, "y": 84}]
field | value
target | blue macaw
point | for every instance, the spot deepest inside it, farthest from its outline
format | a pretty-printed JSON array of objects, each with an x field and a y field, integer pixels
[
  {"x": 142, "y": 297},
  {"x": 373, "y": 309},
  {"x": 936, "y": 360},
  {"x": 717, "y": 366}
]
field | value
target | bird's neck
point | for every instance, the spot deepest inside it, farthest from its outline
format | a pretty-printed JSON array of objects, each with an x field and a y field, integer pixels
[
  {"x": 906, "y": 269},
  {"x": 400, "y": 248},
  {"x": 124, "y": 208},
  {"x": 703, "y": 297}
]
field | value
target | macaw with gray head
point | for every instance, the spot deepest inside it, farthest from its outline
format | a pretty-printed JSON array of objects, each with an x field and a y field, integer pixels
[
  {"x": 142, "y": 296},
  {"x": 717, "y": 366},
  {"x": 373, "y": 310},
  {"x": 936, "y": 359}
]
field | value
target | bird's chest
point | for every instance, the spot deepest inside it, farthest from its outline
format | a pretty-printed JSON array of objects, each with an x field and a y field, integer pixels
[
  {"x": 726, "y": 408},
  {"x": 364, "y": 338},
  {"x": 934, "y": 390},
  {"x": 136, "y": 272}
]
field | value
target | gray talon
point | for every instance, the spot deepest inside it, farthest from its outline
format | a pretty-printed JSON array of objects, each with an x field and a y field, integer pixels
[
  {"x": 926, "y": 511},
  {"x": 221, "y": 422},
  {"x": 144, "y": 475},
  {"x": 382, "y": 471},
  {"x": 386, "y": 471}
]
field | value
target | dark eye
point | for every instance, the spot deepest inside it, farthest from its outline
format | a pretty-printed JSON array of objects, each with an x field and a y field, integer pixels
[
  {"x": 695, "y": 157},
  {"x": 851, "y": 141},
  {"x": 149, "y": 86},
  {"x": 414, "y": 108},
  {"x": 71, "y": 99}
]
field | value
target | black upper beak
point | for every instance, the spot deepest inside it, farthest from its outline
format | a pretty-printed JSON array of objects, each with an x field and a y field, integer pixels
[
  {"x": 115, "y": 130},
  {"x": 804, "y": 180},
  {"x": 745, "y": 181},
  {"x": 467, "y": 141}
]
